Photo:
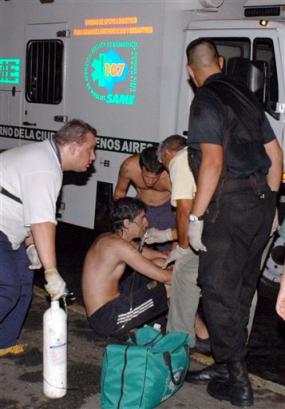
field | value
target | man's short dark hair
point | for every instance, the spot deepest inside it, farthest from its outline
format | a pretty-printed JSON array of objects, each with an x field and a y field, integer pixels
[
  {"x": 125, "y": 208},
  {"x": 195, "y": 58},
  {"x": 73, "y": 131},
  {"x": 149, "y": 161}
]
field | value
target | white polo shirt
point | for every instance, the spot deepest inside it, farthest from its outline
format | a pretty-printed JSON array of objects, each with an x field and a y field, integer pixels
[
  {"x": 181, "y": 176},
  {"x": 33, "y": 174}
]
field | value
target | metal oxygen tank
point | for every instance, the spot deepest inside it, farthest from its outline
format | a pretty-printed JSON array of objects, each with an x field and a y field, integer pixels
[{"x": 54, "y": 351}]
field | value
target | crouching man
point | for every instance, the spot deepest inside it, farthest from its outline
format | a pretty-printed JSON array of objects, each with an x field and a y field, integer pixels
[{"x": 115, "y": 304}]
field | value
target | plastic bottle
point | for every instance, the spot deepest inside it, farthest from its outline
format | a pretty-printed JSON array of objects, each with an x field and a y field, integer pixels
[{"x": 54, "y": 351}]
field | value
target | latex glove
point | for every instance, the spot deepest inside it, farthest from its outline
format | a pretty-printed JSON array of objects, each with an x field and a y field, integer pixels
[
  {"x": 175, "y": 255},
  {"x": 55, "y": 284},
  {"x": 195, "y": 231},
  {"x": 158, "y": 236},
  {"x": 33, "y": 256}
]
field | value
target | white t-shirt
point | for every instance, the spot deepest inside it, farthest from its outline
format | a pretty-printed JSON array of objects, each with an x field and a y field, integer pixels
[
  {"x": 33, "y": 174},
  {"x": 181, "y": 176}
]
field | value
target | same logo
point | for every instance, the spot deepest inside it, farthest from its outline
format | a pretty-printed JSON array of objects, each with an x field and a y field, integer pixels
[{"x": 110, "y": 72}]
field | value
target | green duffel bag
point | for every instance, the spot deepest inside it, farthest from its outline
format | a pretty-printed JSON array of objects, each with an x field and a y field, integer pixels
[{"x": 145, "y": 371}]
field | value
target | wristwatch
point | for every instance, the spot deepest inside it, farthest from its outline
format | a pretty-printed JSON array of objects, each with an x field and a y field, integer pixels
[{"x": 194, "y": 218}]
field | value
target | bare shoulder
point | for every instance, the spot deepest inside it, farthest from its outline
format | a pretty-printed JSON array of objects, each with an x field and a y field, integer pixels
[
  {"x": 102, "y": 243},
  {"x": 130, "y": 165},
  {"x": 109, "y": 240},
  {"x": 165, "y": 180},
  {"x": 111, "y": 243},
  {"x": 105, "y": 250},
  {"x": 165, "y": 175}
]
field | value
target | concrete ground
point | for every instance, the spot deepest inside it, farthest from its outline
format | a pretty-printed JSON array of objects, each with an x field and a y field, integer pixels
[{"x": 21, "y": 376}]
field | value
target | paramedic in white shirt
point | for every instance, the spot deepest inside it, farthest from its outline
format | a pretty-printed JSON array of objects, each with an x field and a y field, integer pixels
[{"x": 30, "y": 182}]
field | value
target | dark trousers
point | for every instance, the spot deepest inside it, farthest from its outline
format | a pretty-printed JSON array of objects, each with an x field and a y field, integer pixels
[
  {"x": 16, "y": 288},
  {"x": 162, "y": 217},
  {"x": 229, "y": 270},
  {"x": 141, "y": 300}
]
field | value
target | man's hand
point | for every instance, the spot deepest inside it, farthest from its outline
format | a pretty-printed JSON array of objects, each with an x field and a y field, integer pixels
[
  {"x": 158, "y": 236},
  {"x": 33, "y": 256},
  {"x": 195, "y": 231},
  {"x": 175, "y": 255},
  {"x": 55, "y": 284},
  {"x": 280, "y": 303}
]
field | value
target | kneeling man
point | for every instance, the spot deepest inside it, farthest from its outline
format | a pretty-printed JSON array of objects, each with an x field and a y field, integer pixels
[{"x": 115, "y": 305}]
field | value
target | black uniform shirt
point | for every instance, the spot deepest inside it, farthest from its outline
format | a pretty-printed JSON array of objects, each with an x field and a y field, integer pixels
[{"x": 212, "y": 113}]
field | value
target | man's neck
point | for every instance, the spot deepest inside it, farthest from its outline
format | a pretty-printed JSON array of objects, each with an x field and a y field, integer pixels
[
  {"x": 123, "y": 234},
  {"x": 205, "y": 73}
]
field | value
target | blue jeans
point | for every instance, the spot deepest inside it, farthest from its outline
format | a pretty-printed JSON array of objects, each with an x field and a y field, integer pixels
[{"x": 16, "y": 289}]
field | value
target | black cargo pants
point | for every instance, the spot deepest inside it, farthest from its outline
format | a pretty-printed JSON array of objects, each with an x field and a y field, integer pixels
[{"x": 229, "y": 270}]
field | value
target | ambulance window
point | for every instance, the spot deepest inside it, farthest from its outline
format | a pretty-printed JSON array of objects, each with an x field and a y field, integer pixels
[
  {"x": 44, "y": 71},
  {"x": 263, "y": 50},
  {"x": 232, "y": 47}
]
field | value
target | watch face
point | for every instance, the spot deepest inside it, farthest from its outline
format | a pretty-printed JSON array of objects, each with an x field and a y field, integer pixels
[{"x": 193, "y": 218}]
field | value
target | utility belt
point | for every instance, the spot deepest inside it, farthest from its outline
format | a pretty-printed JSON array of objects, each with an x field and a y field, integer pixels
[
  {"x": 257, "y": 182},
  {"x": 10, "y": 195}
]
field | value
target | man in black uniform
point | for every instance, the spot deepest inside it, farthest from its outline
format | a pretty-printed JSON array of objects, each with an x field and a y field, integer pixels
[{"x": 238, "y": 162}]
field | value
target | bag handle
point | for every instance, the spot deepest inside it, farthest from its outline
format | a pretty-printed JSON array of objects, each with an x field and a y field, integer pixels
[
  {"x": 149, "y": 344},
  {"x": 167, "y": 360}
]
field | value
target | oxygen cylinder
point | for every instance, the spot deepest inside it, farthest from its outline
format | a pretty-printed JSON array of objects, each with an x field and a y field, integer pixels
[{"x": 54, "y": 351}]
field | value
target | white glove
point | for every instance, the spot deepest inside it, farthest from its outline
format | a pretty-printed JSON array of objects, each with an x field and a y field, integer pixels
[
  {"x": 175, "y": 255},
  {"x": 195, "y": 231},
  {"x": 33, "y": 257},
  {"x": 55, "y": 284},
  {"x": 154, "y": 235}
]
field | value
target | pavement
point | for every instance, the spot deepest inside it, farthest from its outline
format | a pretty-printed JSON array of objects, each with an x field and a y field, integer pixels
[{"x": 21, "y": 376}]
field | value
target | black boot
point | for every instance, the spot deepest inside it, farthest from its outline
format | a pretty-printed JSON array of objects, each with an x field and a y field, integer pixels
[
  {"x": 237, "y": 389},
  {"x": 215, "y": 371}
]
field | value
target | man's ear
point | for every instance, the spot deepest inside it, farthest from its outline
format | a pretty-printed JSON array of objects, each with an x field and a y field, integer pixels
[
  {"x": 73, "y": 147},
  {"x": 192, "y": 75},
  {"x": 221, "y": 61},
  {"x": 189, "y": 70},
  {"x": 126, "y": 223},
  {"x": 167, "y": 157}
]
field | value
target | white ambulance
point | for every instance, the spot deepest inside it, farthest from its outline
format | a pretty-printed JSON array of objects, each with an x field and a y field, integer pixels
[{"x": 120, "y": 65}]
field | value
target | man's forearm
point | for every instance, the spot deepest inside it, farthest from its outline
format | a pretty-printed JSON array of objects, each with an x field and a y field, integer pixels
[
  {"x": 274, "y": 175},
  {"x": 182, "y": 223},
  {"x": 44, "y": 239},
  {"x": 118, "y": 194},
  {"x": 207, "y": 184},
  {"x": 280, "y": 303},
  {"x": 209, "y": 175}
]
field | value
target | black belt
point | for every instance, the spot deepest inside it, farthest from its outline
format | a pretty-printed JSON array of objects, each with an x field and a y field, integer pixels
[
  {"x": 256, "y": 182},
  {"x": 10, "y": 195}
]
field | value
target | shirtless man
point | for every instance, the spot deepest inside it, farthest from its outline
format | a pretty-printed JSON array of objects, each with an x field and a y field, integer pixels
[
  {"x": 153, "y": 186},
  {"x": 112, "y": 309}
]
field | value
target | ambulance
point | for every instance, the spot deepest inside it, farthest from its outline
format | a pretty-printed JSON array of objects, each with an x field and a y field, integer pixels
[{"x": 120, "y": 66}]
